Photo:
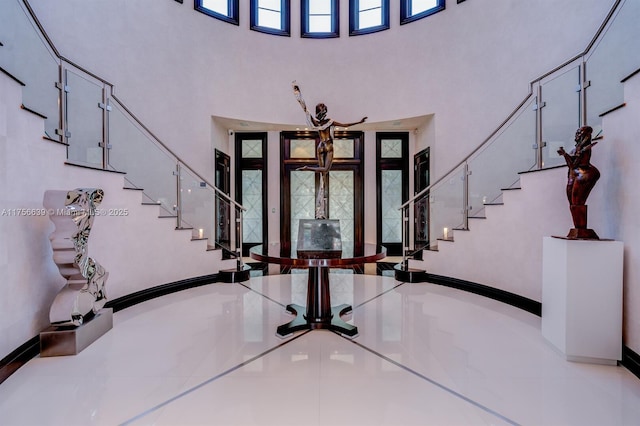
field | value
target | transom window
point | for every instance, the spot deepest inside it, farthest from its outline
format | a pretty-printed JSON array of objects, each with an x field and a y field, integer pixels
[
  {"x": 270, "y": 16},
  {"x": 368, "y": 16},
  {"x": 320, "y": 18},
  {"x": 225, "y": 10},
  {"x": 412, "y": 10}
]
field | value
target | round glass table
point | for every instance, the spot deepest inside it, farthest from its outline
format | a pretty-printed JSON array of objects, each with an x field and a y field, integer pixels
[{"x": 318, "y": 313}]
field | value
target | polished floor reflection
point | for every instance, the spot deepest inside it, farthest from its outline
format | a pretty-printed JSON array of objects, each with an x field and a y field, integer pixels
[{"x": 425, "y": 355}]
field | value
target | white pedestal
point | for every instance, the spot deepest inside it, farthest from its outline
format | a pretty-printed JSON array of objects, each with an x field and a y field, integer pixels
[{"x": 582, "y": 298}]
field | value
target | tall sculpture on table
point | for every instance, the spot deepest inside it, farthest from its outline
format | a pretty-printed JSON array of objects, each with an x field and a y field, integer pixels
[
  {"x": 77, "y": 316},
  {"x": 325, "y": 127}
]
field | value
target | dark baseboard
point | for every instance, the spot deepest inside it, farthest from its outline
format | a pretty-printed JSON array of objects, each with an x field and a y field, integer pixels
[
  {"x": 631, "y": 361},
  {"x": 19, "y": 357},
  {"x": 512, "y": 299},
  {"x": 162, "y": 290}
]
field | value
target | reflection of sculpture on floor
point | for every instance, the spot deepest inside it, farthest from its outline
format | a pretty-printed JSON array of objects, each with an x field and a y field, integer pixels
[
  {"x": 325, "y": 128},
  {"x": 72, "y": 213},
  {"x": 582, "y": 177}
]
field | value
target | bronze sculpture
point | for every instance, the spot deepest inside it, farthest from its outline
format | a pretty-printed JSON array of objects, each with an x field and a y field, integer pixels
[
  {"x": 325, "y": 127},
  {"x": 582, "y": 177}
]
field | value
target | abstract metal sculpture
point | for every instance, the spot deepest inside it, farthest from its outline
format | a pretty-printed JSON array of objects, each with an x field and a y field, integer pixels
[
  {"x": 581, "y": 179},
  {"x": 72, "y": 213}
]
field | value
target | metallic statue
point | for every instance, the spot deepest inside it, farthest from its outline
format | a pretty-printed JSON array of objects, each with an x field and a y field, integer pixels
[
  {"x": 325, "y": 128},
  {"x": 582, "y": 177},
  {"x": 72, "y": 213}
]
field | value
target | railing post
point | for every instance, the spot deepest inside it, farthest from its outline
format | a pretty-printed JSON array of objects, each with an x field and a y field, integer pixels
[
  {"x": 465, "y": 196},
  {"x": 239, "y": 239},
  {"x": 405, "y": 236},
  {"x": 178, "y": 207},
  {"x": 539, "y": 145}
]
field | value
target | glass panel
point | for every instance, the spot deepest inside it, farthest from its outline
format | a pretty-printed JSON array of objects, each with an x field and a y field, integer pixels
[
  {"x": 419, "y": 6},
  {"x": 319, "y": 24},
  {"x": 218, "y": 6},
  {"x": 341, "y": 205},
  {"x": 252, "y": 148},
  {"x": 84, "y": 120},
  {"x": 446, "y": 204},
  {"x": 302, "y": 148},
  {"x": 197, "y": 203},
  {"x": 391, "y": 201},
  {"x": 391, "y": 148},
  {"x": 343, "y": 148},
  {"x": 27, "y": 56},
  {"x": 303, "y": 200},
  {"x": 615, "y": 56},
  {"x": 252, "y": 201},
  {"x": 498, "y": 164},
  {"x": 155, "y": 175},
  {"x": 560, "y": 115}
]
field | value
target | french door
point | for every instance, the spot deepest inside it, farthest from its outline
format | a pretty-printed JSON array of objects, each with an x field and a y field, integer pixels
[{"x": 344, "y": 193}]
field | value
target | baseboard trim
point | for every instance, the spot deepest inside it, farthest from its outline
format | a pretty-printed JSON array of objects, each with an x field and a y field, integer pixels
[
  {"x": 31, "y": 348},
  {"x": 512, "y": 299},
  {"x": 631, "y": 361}
]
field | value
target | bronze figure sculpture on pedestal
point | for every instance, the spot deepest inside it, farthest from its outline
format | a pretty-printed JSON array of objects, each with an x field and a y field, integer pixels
[
  {"x": 582, "y": 177},
  {"x": 325, "y": 128}
]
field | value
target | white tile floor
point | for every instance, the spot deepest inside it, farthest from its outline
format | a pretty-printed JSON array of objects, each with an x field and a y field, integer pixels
[{"x": 425, "y": 355}]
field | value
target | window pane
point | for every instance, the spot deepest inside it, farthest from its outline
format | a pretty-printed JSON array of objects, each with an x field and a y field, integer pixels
[
  {"x": 419, "y": 6},
  {"x": 391, "y": 148},
  {"x": 369, "y": 4},
  {"x": 319, "y": 24},
  {"x": 218, "y": 6},
  {"x": 252, "y": 201},
  {"x": 391, "y": 200},
  {"x": 252, "y": 148},
  {"x": 303, "y": 148},
  {"x": 319, "y": 7},
  {"x": 343, "y": 148},
  {"x": 370, "y": 18},
  {"x": 269, "y": 19},
  {"x": 270, "y": 4}
]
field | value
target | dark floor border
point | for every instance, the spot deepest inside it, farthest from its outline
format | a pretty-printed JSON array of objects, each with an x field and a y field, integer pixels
[
  {"x": 28, "y": 350},
  {"x": 512, "y": 299}
]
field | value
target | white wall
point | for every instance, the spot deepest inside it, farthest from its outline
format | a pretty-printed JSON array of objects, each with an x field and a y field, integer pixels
[{"x": 139, "y": 250}]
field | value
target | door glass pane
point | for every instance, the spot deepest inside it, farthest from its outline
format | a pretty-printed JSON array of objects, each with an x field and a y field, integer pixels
[
  {"x": 391, "y": 148},
  {"x": 302, "y": 148},
  {"x": 303, "y": 200},
  {"x": 391, "y": 201},
  {"x": 341, "y": 204},
  {"x": 343, "y": 148},
  {"x": 252, "y": 201},
  {"x": 252, "y": 148}
]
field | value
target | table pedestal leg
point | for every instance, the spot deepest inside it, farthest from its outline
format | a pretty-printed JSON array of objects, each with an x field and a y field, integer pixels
[{"x": 319, "y": 313}]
